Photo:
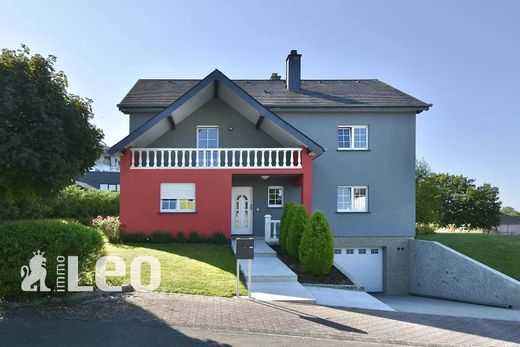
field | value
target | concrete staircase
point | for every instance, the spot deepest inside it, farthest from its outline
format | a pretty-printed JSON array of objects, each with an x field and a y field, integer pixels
[{"x": 272, "y": 280}]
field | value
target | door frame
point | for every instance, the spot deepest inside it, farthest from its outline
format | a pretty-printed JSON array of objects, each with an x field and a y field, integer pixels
[{"x": 251, "y": 210}]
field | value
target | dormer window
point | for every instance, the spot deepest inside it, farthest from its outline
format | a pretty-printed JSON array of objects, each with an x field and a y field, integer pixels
[{"x": 353, "y": 137}]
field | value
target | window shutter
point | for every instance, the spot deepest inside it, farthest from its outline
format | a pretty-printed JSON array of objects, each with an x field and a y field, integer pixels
[{"x": 177, "y": 190}]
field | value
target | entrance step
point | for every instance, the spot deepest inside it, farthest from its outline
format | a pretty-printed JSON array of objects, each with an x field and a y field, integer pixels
[
  {"x": 268, "y": 269},
  {"x": 281, "y": 291}
]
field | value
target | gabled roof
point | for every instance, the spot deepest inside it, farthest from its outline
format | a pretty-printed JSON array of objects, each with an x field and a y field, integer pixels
[
  {"x": 372, "y": 93},
  {"x": 213, "y": 85},
  {"x": 508, "y": 220}
]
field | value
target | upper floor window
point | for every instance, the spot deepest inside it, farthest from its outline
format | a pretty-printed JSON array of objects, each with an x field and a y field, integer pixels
[
  {"x": 275, "y": 198},
  {"x": 352, "y": 199},
  {"x": 352, "y": 137},
  {"x": 207, "y": 137},
  {"x": 177, "y": 197}
]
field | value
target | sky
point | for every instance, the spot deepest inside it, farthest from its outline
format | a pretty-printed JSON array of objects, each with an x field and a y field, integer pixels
[{"x": 462, "y": 56}]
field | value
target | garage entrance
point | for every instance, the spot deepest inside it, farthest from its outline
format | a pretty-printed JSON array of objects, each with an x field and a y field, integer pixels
[{"x": 363, "y": 265}]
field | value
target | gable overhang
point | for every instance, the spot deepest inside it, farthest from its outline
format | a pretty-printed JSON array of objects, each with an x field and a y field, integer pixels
[{"x": 217, "y": 85}]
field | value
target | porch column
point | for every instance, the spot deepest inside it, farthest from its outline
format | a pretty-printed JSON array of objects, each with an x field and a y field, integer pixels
[{"x": 306, "y": 180}]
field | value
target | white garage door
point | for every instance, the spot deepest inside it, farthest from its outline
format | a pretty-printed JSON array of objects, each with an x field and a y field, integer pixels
[{"x": 363, "y": 265}]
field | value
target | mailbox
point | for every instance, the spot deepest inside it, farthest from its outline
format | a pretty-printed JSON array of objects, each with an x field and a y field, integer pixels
[{"x": 245, "y": 248}]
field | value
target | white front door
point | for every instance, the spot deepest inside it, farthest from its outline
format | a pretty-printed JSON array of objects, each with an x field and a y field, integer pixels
[{"x": 242, "y": 210}]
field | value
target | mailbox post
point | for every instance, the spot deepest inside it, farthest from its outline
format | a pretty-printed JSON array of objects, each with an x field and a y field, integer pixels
[{"x": 245, "y": 249}]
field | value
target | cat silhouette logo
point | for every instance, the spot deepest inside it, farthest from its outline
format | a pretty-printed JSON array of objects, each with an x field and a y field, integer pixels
[{"x": 35, "y": 272}]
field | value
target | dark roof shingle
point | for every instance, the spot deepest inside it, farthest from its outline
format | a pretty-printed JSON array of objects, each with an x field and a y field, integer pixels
[{"x": 313, "y": 93}]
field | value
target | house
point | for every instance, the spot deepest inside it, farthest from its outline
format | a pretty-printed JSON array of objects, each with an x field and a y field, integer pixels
[
  {"x": 225, "y": 155},
  {"x": 509, "y": 225},
  {"x": 104, "y": 175}
]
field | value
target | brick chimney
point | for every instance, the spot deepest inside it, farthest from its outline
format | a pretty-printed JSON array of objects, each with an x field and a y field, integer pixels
[{"x": 293, "y": 71}]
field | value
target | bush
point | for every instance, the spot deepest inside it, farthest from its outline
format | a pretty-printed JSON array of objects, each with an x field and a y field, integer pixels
[
  {"x": 284, "y": 225},
  {"x": 297, "y": 222},
  {"x": 424, "y": 229},
  {"x": 194, "y": 237},
  {"x": 137, "y": 237},
  {"x": 218, "y": 238},
  {"x": 180, "y": 237},
  {"x": 161, "y": 237},
  {"x": 18, "y": 241},
  {"x": 71, "y": 202},
  {"x": 109, "y": 226},
  {"x": 74, "y": 202},
  {"x": 317, "y": 246}
]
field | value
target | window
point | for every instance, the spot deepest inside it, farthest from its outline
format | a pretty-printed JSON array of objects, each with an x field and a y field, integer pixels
[
  {"x": 337, "y": 251},
  {"x": 350, "y": 251},
  {"x": 362, "y": 251},
  {"x": 207, "y": 137},
  {"x": 374, "y": 251},
  {"x": 103, "y": 187},
  {"x": 177, "y": 197},
  {"x": 275, "y": 196},
  {"x": 352, "y": 199},
  {"x": 352, "y": 137},
  {"x": 110, "y": 187}
]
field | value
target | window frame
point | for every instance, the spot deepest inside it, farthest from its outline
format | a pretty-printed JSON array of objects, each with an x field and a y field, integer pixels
[
  {"x": 352, "y": 138},
  {"x": 269, "y": 193},
  {"x": 216, "y": 127},
  {"x": 352, "y": 200},
  {"x": 178, "y": 200}
]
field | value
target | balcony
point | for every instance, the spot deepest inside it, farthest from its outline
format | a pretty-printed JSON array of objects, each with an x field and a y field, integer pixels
[{"x": 218, "y": 158}]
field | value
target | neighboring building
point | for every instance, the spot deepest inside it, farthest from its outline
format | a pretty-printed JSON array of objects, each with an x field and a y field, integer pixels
[
  {"x": 104, "y": 175},
  {"x": 225, "y": 155},
  {"x": 509, "y": 225}
]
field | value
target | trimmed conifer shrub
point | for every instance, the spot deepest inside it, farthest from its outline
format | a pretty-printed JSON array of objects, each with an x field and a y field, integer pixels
[
  {"x": 317, "y": 246},
  {"x": 284, "y": 223},
  {"x": 297, "y": 223}
]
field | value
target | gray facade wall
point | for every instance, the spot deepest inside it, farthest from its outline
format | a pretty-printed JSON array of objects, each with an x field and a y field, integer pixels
[
  {"x": 387, "y": 168},
  {"x": 216, "y": 112},
  {"x": 439, "y": 271},
  {"x": 292, "y": 193},
  {"x": 138, "y": 119}
]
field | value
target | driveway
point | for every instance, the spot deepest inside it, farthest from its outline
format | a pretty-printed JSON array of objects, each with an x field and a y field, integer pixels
[{"x": 170, "y": 319}]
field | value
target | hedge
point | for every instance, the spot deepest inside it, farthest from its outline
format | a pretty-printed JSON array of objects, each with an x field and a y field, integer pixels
[
  {"x": 284, "y": 225},
  {"x": 317, "y": 246},
  {"x": 18, "y": 241},
  {"x": 297, "y": 222},
  {"x": 71, "y": 202}
]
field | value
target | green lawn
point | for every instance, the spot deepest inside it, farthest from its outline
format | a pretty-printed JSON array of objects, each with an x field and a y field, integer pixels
[
  {"x": 205, "y": 269},
  {"x": 501, "y": 252}
]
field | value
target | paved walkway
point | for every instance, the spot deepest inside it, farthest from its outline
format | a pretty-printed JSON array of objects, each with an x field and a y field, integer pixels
[
  {"x": 162, "y": 319},
  {"x": 417, "y": 304},
  {"x": 272, "y": 280}
]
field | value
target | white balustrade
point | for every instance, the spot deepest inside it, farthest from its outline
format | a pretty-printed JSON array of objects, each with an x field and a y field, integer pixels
[
  {"x": 272, "y": 229},
  {"x": 218, "y": 158}
]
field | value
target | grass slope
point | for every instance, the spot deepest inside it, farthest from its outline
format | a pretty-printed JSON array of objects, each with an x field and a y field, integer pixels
[
  {"x": 205, "y": 269},
  {"x": 501, "y": 252}
]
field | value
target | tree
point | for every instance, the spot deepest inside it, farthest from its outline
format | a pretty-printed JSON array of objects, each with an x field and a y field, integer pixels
[
  {"x": 297, "y": 223},
  {"x": 317, "y": 245},
  {"x": 284, "y": 225},
  {"x": 47, "y": 136},
  {"x": 427, "y": 194},
  {"x": 510, "y": 211}
]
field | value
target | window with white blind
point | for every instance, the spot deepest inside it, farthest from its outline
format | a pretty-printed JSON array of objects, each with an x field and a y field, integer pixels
[
  {"x": 177, "y": 197},
  {"x": 352, "y": 199}
]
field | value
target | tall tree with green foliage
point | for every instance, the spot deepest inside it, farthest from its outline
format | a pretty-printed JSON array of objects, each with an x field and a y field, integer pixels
[
  {"x": 47, "y": 135},
  {"x": 288, "y": 209},
  {"x": 297, "y": 223},
  {"x": 317, "y": 246},
  {"x": 427, "y": 193}
]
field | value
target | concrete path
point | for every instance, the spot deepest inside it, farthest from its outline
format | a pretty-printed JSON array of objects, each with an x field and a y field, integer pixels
[
  {"x": 347, "y": 298},
  {"x": 417, "y": 304},
  {"x": 271, "y": 279}
]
